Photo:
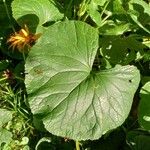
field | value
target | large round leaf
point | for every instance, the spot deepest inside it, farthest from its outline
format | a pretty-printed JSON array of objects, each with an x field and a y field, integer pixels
[{"x": 66, "y": 94}]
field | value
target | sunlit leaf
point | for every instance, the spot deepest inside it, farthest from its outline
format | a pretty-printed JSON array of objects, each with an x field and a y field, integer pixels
[
  {"x": 66, "y": 93},
  {"x": 35, "y": 12}
]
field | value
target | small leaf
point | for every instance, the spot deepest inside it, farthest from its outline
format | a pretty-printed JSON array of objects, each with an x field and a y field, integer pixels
[
  {"x": 114, "y": 29},
  {"x": 100, "y": 2},
  {"x": 144, "y": 107},
  {"x": 24, "y": 141},
  {"x": 26, "y": 147},
  {"x": 44, "y": 139},
  {"x": 139, "y": 11},
  {"x": 66, "y": 94},
  {"x": 5, "y": 136},
  {"x": 117, "y": 7},
  {"x": 5, "y": 116},
  {"x": 94, "y": 14}
]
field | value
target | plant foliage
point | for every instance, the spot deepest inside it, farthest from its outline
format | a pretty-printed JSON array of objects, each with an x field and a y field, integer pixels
[{"x": 81, "y": 78}]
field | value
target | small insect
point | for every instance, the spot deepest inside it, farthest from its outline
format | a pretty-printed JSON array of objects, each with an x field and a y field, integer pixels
[{"x": 23, "y": 39}]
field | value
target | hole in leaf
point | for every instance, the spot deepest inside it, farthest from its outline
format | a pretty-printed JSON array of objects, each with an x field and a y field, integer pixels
[{"x": 130, "y": 81}]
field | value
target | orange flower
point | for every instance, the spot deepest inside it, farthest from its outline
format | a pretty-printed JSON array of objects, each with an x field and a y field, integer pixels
[{"x": 23, "y": 39}]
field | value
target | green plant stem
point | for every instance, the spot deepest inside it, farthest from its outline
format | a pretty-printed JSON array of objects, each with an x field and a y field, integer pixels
[
  {"x": 7, "y": 12},
  {"x": 2, "y": 79},
  {"x": 103, "y": 21},
  {"x": 104, "y": 9},
  {"x": 24, "y": 58},
  {"x": 19, "y": 78},
  {"x": 85, "y": 17},
  {"x": 77, "y": 145},
  {"x": 69, "y": 5},
  {"x": 83, "y": 9}
]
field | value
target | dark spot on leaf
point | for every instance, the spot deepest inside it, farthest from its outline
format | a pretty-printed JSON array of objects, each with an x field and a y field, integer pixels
[
  {"x": 38, "y": 71},
  {"x": 130, "y": 81}
]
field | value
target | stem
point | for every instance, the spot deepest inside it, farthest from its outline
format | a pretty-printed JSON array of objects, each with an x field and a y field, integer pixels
[
  {"x": 103, "y": 21},
  {"x": 84, "y": 19},
  {"x": 106, "y": 18},
  {"x": 77, "y": 145},
  {"x": 98, "y": 59},
  {"x": 2, "y": 79},
  {"x": 24, "y": 58},
  {"x": 8, "y": 15},
  {"x": 19, "y": 78},
  {"x": 83, "y": 9},
  {"x": 104, "y": 8},
  {"x": 69, "y": 5}
]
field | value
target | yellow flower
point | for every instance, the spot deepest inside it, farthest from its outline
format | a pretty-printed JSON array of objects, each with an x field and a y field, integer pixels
[{"x": 23, "y": 39}]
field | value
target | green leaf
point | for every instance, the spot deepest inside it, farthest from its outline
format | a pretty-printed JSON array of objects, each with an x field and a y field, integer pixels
[
  {"x": 142, "y": 142},
  {"x": 117, "y": 7},
  {"x": 138, "y": 140},
  {"x": 5, "y": 136},
  {"x": 72, "y": 100},
  {"x": 139, "y": 11},
  {"x": 26, "y": 147},
  {"x": 120, "y": 50},
  {"x": 25, "y": 141},
  {"x": 100, "y": 2},
  {"x": 144, "y": 107},
  {"x": 114, "y": 29},
  {"x": 35, "y": 12},
  {"x": 5, "y": 116},
  {"x": 112, "y": 141},
  {"x": 94, "y": 14},
  {"x": 146, "y": 42},
  {"x": 144, "y": 6},
  {"x": 43, "y": 140}
]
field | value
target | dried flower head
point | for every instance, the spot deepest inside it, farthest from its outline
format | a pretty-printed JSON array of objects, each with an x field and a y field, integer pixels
[
  {"x": 23, "y": 39},
  {"x": 8, "y": 74}
]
